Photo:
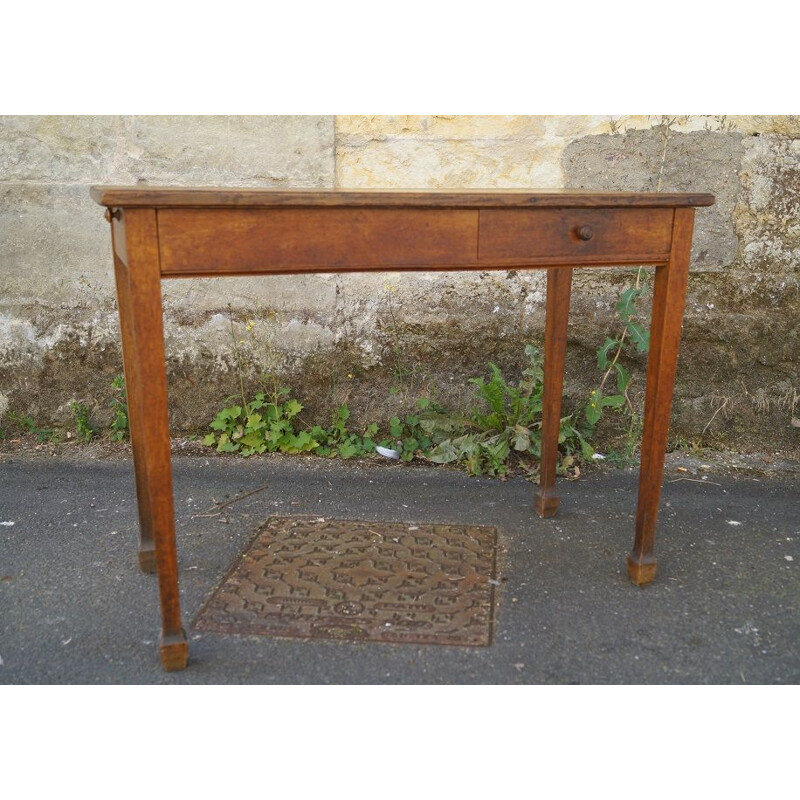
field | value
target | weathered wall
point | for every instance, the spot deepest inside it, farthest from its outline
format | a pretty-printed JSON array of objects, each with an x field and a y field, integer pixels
[{"x": 354, "y": 337}]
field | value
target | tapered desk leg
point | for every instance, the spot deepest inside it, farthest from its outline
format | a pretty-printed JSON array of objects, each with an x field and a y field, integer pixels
[
  {"x": 147, "y": 547},
  {"x": 146, "y": 382},
  {"x": 559, "y": 283},
  {"x": 665, "y": 332}
]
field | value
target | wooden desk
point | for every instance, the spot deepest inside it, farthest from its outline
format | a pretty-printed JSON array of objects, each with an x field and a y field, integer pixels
[{"x": 179, "y": 233}]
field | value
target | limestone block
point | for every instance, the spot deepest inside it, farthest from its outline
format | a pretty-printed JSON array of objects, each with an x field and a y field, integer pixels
[
  {"x": 55, "y": 246},
  {"x": 271, "y": 151},
  {"x": 697, "y": 161},
  {"x": 71, "y": 149},
  {"x": 447, "y": 163},
  {"x": 571, "y": 127},
  {"x": 783, "y": 125},
  {"x": 768, "y": 216},
  {"x": 352, "y": 129}
]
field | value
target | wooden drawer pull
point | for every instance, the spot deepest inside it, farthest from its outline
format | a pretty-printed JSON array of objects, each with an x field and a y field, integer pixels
[{"x": 585, "y": 232}]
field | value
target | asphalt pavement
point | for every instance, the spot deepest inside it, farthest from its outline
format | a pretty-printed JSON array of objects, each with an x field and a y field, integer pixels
[{"x": 724, "y": 609}]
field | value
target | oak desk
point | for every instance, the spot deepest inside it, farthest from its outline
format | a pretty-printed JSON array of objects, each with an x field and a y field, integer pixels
[{"x": 178, "y": 233}]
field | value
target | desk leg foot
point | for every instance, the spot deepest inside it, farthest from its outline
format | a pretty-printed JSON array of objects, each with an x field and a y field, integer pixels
[
  {"x": 174, "y": 651},
  {"x": 641, "y": 569},
  {"x": 546, "y": 502},
  {"x": 147, "y": 559}
]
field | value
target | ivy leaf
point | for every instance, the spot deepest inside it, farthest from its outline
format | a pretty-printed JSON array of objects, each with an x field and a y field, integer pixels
[
  {"x": 252, "y": 439},
  {"x": 318, "y": 433},
  {"x": 219, "y": 423},
  {"x": 410, "y": 444},
  {"x": 347, "y": 450},
  {"x": 301, "y": 443},
  {"x": 225, "y": 445},
  {"x": 209, "y": 439},
  {"x": 254, "y": 422},
  {"x": 238, "y": 432},
  {"x": 292, "y": 408}
]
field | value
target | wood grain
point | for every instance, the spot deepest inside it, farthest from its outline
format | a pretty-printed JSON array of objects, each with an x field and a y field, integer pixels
[
  {"x": 635, "y": 235},
  {"x": 136, "y": 421},
  {"x": 223, "y": 241},
  {"x": 118, "y": 240},
  {"x": 218, "y": 197},
  {"x": 146, "y": 382},
  {"x": 559, "y": 283},
  {"x": 665, "y": 332}
]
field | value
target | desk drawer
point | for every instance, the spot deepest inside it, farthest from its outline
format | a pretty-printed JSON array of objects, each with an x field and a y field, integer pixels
[
  {"x": 528, "y": 236},
  {"x": 257, "y": 241}
]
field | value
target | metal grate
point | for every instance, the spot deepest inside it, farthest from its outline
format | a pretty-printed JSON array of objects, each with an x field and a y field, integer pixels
[{"x": 315, "y": 578}]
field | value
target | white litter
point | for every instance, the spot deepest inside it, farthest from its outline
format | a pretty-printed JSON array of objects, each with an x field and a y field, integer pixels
[
  {"x": 387, "y": 453},
  {"x": 789, "y": 558},
  {"x": 7, "y": 524},
  {"x": 598, "y": 456},
  {"x": 733, "y": 522}
]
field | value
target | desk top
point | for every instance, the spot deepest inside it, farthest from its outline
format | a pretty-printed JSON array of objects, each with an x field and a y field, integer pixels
[{"x": 144, "y": 196}]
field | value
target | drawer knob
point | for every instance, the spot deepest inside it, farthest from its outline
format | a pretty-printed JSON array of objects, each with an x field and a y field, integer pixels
[{"x": 585, "y": 232}]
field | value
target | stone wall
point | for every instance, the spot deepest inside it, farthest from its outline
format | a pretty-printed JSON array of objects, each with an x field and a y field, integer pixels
[{"x": 355, "y": 337}]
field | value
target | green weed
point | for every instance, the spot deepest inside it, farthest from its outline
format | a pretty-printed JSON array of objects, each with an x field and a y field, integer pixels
[
  {"x": 119, "y": 406},
  {"x": 28, "y": 424},
  {"x": 506, "y": 426},
  {"x": 83, "y": 428}
]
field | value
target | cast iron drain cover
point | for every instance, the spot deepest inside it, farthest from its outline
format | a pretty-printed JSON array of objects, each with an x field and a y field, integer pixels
[{"x": 360, "y": 581}]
